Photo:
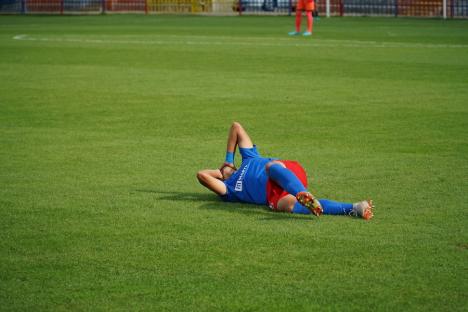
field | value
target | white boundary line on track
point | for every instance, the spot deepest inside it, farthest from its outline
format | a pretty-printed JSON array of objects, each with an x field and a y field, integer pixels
[{"x": 248, "y": 41}]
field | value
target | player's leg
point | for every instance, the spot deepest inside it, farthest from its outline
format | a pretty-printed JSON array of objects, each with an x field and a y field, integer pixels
[
  {"x": 284, "y": 177},
  {"x": 289, "y": 181},
  {"x": 310, "y": 6},
  {"x": 310, "y": 21},
  {"x": 286, "y": 203},
  {"x": 237, "y": 136},
  {"x": 293, "y": 196},
  {"x": 335, "y": 208},
  {"x": 289, "y": 203},
  {"x": 363, "y": 209},
  {"x": 298, "y": 20},
  {"x": 299, "y": 8}
]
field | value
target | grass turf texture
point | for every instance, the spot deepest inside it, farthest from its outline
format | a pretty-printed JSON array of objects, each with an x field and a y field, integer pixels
[{"x": 104, "y": 121}]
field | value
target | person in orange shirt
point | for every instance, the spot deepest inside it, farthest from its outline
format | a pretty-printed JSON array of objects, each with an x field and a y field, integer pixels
[{"x": 308, "y": 6}]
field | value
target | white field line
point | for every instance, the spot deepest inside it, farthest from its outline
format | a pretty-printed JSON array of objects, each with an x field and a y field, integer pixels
[{"x": 248, "y": 41}]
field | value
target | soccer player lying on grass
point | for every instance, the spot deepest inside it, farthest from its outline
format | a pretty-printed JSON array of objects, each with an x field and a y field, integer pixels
[{"x": 280, "y": 184}]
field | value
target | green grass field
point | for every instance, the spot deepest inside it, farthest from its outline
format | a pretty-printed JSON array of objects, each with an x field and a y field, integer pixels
[{"x": 105, "y": 120}]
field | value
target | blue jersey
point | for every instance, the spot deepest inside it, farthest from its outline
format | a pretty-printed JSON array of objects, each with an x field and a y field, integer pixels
[{"x": 249, "y": 183}]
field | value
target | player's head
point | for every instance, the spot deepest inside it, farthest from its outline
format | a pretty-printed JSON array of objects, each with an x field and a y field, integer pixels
[{"x": 227, "y": 170}]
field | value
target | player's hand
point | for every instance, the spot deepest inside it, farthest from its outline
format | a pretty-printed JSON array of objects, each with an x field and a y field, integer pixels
[
  {"x": 227, "y": 164},
  {"x": 227, "y": 168}
]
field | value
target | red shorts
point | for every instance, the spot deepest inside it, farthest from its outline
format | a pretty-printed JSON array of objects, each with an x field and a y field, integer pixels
[
  {"x": 308, "y": 5},
  {"x": 275, "y": 192}
]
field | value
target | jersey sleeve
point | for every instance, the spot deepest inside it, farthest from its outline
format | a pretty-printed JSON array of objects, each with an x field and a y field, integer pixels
[
  {"x": 228, "y": 196},
  {"x": 248, "y": 153}
]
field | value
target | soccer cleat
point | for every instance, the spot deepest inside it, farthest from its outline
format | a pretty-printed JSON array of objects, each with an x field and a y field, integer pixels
[
  {"x": 307, "y": 33},
  {"x": 294, "y": 33},
  {"x": 363, "y": 209},
  {"x": 308, "y": 200}
]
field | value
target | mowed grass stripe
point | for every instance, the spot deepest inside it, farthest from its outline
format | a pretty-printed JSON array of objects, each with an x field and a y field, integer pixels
[{"x": 205, "y": 40}]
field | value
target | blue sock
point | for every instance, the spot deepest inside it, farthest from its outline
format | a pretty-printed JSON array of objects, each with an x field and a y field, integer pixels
[
  {"x": 298, "y": 208},
  {"x": 335, "y": 208},
  {"x": 229, "y": 157},
  {"x": 286, "y": 179},
  {"x": 329, "y": 207}
]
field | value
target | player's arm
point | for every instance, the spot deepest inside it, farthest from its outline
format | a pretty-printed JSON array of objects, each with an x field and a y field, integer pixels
[
  {"x": 237, "y": 136},
  {"x": 212, "y": 180}
]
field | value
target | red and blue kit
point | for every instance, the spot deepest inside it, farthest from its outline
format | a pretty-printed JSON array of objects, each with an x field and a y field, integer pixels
[{"x": 251, "y": 184}]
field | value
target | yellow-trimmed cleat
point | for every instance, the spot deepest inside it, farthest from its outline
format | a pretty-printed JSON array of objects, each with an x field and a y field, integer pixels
[
  {"x": 308, "y": 200},
  {"x": 363, "y": 209}
]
